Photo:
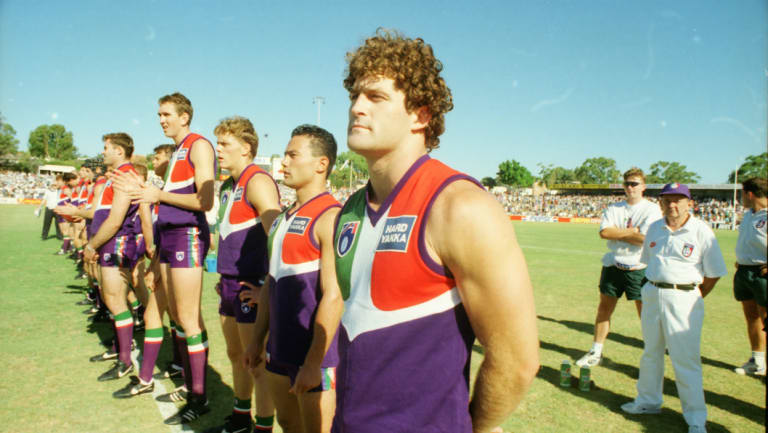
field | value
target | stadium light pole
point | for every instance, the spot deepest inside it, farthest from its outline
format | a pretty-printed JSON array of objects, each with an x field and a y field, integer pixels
[
  {"x": 735, "y": 181},
  {"x": 318, "y": 100}
]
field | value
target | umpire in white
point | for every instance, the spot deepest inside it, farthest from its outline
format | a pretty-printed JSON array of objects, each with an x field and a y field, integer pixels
[{"x": 684, "y": 263}]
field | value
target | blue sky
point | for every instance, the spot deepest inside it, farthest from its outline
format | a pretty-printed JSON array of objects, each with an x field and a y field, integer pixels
[{"x": 551, "y": 82}]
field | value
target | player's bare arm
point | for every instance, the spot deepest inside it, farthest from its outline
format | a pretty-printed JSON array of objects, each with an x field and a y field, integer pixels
[
  {"x": 252, "y": 356},
  {"x": 467, "y": 227},
  {"x": 630, "y": 235},
  {"x": 707, "y": 285},
  {"x": 262, "y": 194},
  {"x": 111, "y": 225},
  {"x": 145, "y": 214},
  {"x": 202, "y": 157},
  {"x": 329, "y": 309}
]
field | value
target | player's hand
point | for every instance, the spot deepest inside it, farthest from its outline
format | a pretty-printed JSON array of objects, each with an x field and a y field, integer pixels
[
  {"x": 252, "y": 358},
  {"x": 127, "y": 182},
  {"x": 217, "y": 287},
  {"x": 37, "y": 212},
  {"x": 250, "y": 295},
  {"x": 90, "y": 256},
  {"x": 307, "y": 378},
  {"x": 763, "y": 270},
  {"x": 66, "y": 209}
]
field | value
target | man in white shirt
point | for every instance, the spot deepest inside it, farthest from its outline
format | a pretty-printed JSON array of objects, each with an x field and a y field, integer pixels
[
  {"x": 624, "y": 225},
  {"x": 50, "y": 200},
  {"x": 749, "y": 282},
  {"x": 683, "y": 262}
]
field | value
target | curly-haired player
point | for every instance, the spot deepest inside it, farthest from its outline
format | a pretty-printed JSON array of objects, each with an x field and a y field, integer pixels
[{"x": 406, "y": 250}]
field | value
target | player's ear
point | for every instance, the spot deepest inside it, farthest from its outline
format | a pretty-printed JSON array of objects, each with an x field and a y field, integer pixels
[
  {"x": 421, "y": 118},
  {"x": 322, "y": 164}
]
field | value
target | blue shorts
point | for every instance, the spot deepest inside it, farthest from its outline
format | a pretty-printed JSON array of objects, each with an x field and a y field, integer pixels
[
  {"x": 118, "y": 252},
  {"x": 183, "y": 247},
  {"x": 230, "y": 303},
  {"x": 290, "y": 370}
]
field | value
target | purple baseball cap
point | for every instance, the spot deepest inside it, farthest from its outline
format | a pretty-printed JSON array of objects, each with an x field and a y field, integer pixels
[{"x": 676, "y": 188}]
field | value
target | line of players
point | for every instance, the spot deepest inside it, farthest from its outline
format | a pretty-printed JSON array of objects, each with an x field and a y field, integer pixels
[{"x": 345, "y": 319}]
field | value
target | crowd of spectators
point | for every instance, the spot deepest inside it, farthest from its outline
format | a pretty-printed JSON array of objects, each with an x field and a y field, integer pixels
[
  {"x": 23, "y": 185},
  {"x": 716, "y": 212}
]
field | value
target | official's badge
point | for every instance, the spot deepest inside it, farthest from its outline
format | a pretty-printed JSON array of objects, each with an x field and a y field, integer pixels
[
  {"x": 687, "y": 250},
  {"x": 179, "y": 255},
  {"x": 347, "y": 237}
]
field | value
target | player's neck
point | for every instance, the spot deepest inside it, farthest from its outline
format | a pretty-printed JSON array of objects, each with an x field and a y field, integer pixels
[
  {"x": 183, "y": 132},
  {"x": 237, "y": 169},
  {"x": 309, "y": 191},
  {"x": 634, "y": 200},
  {"x": 386, "y": 170},
  {"x": 117, "y": 164},
  {"x": 759, "y": 205}
]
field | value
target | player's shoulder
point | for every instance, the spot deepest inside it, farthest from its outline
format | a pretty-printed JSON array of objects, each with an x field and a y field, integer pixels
[{"x": 463, "y": 201}]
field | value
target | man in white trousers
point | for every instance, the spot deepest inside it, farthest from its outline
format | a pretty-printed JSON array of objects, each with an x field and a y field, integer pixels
[{"x": 684, "y": 263}]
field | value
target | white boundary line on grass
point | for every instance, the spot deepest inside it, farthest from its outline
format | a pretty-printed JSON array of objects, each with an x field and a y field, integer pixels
[{"x": 166, "y": 409}]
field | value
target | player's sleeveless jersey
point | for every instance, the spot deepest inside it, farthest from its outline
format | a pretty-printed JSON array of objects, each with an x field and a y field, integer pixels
[
  {"x": 242, "y": 241},
  {"x": 104, "y": 205},
  {"x": 65, "y": 198},
  {"x": 294, "y": 289},
  {"x": 92, "y": 199},
  {"x": 405, "y": 339},
  {"x": 180, "y": 179},
  {"x": 85, "y": 191}
]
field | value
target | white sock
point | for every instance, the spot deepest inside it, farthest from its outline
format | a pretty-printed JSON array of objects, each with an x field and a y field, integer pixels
[
  {"x": 597, "y": 348},
  {"x": 759, "y": 358}
]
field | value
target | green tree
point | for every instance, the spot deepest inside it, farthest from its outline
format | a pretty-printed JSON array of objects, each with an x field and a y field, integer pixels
[
  {"x": 753, "y": 166},
  {"x": 597, "y": 170},
  {"x": 666, "y": 172},
  {"x": 349, "y": 166},
  {"x": 52, "y": 141},
  {"x": 488, "y": 182},
  {"x": 515, "y": 174},
  {"x": 8, "y": 139},
  {"x": 550, "y": 175}
]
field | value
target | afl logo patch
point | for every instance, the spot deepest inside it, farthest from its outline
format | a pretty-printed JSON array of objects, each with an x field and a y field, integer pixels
[
  {"x": 299, "y": 225},
  {"x": 397, "y": 233},
  {"x": 760, "y": 224},
  {"x": 179, "y": 256},
  {"x": 687, "y": 250},
  {"x": 245, "y": 308},
  {"x": 224, "y": 198},
  {"x": 274, "y": 225},
  {"x": 107, "y": 256},
  {"x": 347, "y": 237}
]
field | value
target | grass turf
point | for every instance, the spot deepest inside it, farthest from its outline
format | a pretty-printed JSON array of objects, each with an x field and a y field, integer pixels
[{"x": 48, "y": 384}]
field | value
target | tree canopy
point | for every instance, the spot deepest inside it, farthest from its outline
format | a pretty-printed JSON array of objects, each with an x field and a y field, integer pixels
[
  {"x": 355, "y": 169},
  {"x": 667, "y": 172},
  {"x": 550, "y": 175},
  {"x": 8, "y": 140},
  {"x": 52, "y": 141},
  {"x": 597, "y": 170},
  {"x": 753, "y": 166},
  {"x": 515, "y": 174}
]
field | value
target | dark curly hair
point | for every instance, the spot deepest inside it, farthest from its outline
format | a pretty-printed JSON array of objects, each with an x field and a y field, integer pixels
[
  {"x": 415, "y": 70},
  {"x": 322, "y": 142}
]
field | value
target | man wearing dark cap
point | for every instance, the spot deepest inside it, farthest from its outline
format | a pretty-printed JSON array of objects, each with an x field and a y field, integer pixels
[{"x": 684, "y": 263}]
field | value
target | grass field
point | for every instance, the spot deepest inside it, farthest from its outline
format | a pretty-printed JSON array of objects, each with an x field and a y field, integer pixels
[{"x": 47, "y": 383}]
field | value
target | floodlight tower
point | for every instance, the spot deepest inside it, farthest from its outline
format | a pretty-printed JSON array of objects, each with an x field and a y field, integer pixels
[{"x": 318, "y": 100}]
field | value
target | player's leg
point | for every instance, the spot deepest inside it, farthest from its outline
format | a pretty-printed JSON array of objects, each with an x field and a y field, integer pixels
[
  {"x": 115, "y": 286},
  {"x": 682, "y": 323},
  {"x": 158, "y": 279},
  {"x": 286, "y": 404},
  {"x": 610, "y": 291},
  {"x": 318, "y": 406},
  {"x": 242, "y": 381},
  {"x": 651, "y": 379},
  {"x": 750, "y": 290}
]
